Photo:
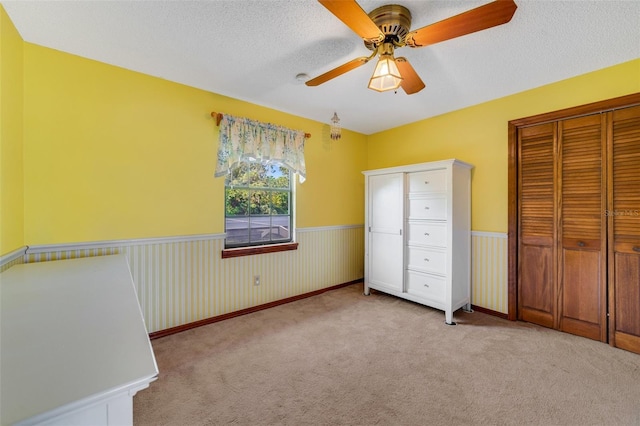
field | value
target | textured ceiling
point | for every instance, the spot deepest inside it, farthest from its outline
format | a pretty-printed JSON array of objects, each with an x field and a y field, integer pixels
[{"x": 253, "y": 49}]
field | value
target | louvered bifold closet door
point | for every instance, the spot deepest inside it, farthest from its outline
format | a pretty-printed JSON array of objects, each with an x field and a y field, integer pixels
[
  {"x": 582, "y": 227},
  {"x": 536, "y": 251},
  {"x": 624, "y": 228}
]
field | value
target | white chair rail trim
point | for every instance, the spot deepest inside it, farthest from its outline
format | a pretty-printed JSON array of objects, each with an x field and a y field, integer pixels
[
  {"x": 46, "y": 248},
  {"x": 328, "y": 228},
  {"x": 489, "y": 234},
  {"x": 13, "y": 255}
]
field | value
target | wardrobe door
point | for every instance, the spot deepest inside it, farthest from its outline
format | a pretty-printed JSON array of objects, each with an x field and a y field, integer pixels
[
  {"x": 624, "y": 225},
  {"x": 536, "y": 251},
  {"x": 582, "y": 227},
  {"x": 385, "y": 242}
]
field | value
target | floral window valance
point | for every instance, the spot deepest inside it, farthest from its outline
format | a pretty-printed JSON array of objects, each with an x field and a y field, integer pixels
[{"x": 242, "y": 139}]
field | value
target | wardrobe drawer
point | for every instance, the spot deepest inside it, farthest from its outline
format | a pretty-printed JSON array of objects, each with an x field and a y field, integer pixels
[
  {"x": 428, "y": 208},
  {"x": 427, "y": 260},
  {"x": 427, "y": 286},
  {"x": 429, "y": 181},
  {"x": 427, "y": 234}
]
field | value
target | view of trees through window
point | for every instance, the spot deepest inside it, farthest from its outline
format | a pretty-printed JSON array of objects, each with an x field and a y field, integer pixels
[{"x": 257, "y": 205}]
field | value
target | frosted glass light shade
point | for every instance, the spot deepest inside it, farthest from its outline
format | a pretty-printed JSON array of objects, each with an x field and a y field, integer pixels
[{"x": 386, "y": 76}]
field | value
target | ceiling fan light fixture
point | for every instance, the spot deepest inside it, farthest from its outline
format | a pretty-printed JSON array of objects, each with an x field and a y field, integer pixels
[{"x": 386, "y": 76}]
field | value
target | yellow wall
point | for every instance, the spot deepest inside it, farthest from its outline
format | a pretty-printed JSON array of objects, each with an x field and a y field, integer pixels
[
  {"x": 115, "y": 154},
  {"x": 92, "y": 152},
  {"x": 11, "y": 138},
  {"x": 478, "y": 135}
]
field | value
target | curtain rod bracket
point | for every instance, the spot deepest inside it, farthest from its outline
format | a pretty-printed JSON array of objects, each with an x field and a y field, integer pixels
[{"x": 217, "y": 116}]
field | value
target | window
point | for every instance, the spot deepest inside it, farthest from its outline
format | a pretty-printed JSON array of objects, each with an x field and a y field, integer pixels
[{"x": 258, "y": 199}]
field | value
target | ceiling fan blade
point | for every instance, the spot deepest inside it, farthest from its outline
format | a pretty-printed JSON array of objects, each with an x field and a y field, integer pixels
[
  {"x": 323, "y": 78},
  {"x": 411, "y": 81},
  {"x": 349, "y": 12},
  {"x": 490, "y": 15}
]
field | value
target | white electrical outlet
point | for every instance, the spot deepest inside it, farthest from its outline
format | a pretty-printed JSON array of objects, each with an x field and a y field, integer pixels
[{"x": 256, "y": 280}]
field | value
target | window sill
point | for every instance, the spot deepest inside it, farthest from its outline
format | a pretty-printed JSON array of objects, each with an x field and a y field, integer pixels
[{"x": 249, "y": 251}]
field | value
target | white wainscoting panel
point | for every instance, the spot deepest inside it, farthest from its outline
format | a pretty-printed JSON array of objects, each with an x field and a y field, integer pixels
[
  {"x": 489, "y": 280},
  {"x": 182, "y": 280}
]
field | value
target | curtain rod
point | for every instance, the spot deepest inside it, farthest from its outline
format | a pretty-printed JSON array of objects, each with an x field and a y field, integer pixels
[{"x": 218, "y": 116}]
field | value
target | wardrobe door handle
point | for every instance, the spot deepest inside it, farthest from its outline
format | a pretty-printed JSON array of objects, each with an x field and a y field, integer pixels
[
  {"x": 636, "y": 248},
  {"x": 426, "y": 207},
  {"x": 426, "y": 259},
  {"x": 581, "y": 244},
  {"x": 426, "y": 285},
  {"x": 426, "y": 233},
  {"x": 426, "y": 182}
]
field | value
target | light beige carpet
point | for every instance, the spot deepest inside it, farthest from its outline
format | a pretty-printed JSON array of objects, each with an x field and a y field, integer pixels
[{"x": 342, "y": 358}]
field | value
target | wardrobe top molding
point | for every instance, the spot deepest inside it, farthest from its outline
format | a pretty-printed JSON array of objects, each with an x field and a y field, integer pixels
[{"x": 419, "y": 167}]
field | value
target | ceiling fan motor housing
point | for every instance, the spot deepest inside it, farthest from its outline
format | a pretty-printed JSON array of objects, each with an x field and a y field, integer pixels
[{"x": 394, "y": 21}]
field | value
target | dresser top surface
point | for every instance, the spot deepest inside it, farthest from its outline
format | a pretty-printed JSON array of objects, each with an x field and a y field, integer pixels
[{"x": 70, "y": 330}]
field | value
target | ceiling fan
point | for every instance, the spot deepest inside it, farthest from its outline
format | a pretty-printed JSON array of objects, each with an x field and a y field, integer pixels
[{"x": 388, "y": 27}]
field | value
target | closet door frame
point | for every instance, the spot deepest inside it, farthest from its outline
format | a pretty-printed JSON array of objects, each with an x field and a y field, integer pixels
[{"x": 513, "y": 126}]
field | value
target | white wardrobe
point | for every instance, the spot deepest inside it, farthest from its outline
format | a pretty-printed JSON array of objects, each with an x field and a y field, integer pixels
[{"x": 418, "y": 233}]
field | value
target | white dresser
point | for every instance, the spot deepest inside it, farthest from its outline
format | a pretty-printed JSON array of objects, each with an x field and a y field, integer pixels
[
  {"x": 74, "y": 347},
  {"x": 418, "y": 233}
]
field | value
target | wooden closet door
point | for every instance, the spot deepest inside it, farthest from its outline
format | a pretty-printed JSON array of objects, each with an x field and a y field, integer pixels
[
  {"x": 536, "y": 251},
  {"x": 624, "y": 226},
  {"x": 582, "y": 227}
]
